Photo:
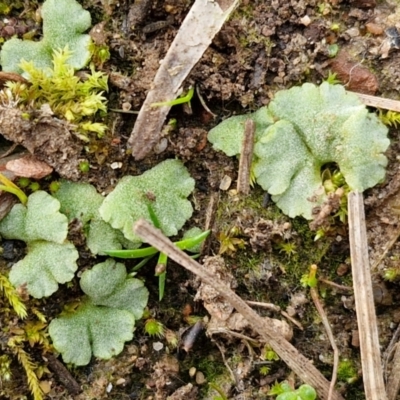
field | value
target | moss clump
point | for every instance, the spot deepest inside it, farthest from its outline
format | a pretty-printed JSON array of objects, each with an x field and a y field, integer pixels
[
  {"x": 69, "y": 97},
  {"x": 347, "y": 371}
]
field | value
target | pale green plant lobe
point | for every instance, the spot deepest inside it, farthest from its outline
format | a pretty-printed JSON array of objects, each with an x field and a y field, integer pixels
[{"x": 310, "y": 126}]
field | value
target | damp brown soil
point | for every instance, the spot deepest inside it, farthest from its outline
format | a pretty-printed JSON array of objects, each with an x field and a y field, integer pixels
[{"x": 262, "y": 48}]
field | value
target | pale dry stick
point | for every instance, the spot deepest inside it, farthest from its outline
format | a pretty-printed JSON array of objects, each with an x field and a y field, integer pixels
[
  {"x": 393, "y": 383},
  {"x": 335, "y": 285},
  {"x": 390, "y": 350},
  {"x": 202, "y": 23},
  {"x": 378, "y": 102},
  {"x": 231, "y": 373},
  {"x": 246, "y": 155},
  {"x": 203, "y": 102},
  {"x": 294, "y": 321},
  {"x": 287, "y": 352},
  {"x": 367, "y": 326},
  {"x": 210, "y": 218},
  {"x": 269, "y": 306},
  {"x": 275, "y": 308},
  {"x": 325, "y": 322}
]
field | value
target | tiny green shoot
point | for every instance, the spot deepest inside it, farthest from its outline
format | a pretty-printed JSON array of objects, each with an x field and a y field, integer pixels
[
  {"x": 84, "y": 166},
  {"x": 161, "y": 272},
  {"x": 147, "y": 252},
  {"x": 54, "y": 187},
  {"x": 24, "y": 182},
  {"x": 10, "y": 187},
  {"x": 180, "y": 100},
  {"x": 34, "y": 186},
  {"x": 310, "y": 279},
  {"x": 332, "y": 78}
]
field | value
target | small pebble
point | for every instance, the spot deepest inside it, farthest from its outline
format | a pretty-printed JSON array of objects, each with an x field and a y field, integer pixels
[
  {"x": 45, "y": 386},
  {"x": 157, "y": 346},
  {"x": 225, "y": 183},
  {"x": 120, "y": 381},
  {"x": 109, "y": 387},
  {"x": 306, "y": 20},
  {"x": 116, "y": 165},
  {"x": 353, "y": 32},
  {"x": 126, "y": 106},
  {"x": 192, "y": 372},
  {"x": 200, "y": 378},
  {"x": 342, "y": 269},
  {"x": 161, "y": 146},
  {"x": 374, "y": 29}
]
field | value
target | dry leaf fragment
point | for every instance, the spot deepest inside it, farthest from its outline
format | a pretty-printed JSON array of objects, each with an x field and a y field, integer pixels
[{"x": 29, "y": 167}]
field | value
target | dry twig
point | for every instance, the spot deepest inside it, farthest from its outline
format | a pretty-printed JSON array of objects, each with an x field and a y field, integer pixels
[
  {"x": 246, "y": 155},
  {"x": 203, "y": 21},
  {"x": 393, "y": 383},
  {"x": 275, "y": 308},
  {"x": 288, "y": 353},
  {"x": 363, "y": 294},
  {"x": 324, "y": 319},
  {"x": 379, "y": 102}
]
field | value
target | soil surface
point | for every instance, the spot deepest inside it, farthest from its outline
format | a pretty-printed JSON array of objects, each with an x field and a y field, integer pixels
[{"x": 265, "y": 46}]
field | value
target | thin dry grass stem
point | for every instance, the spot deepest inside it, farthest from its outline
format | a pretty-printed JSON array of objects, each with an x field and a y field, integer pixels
[
  {"x": 269, "y": 306},
  {"x": 9, "y": 151},
  {"x": 231, "y": 333},
  {"x": 227, "y": 366},
  {"x": 211, "y": 213},
  {"x": 63, "y": 375},
  {"x": 324, "y": 319},
  {"x": 275, "y": 308},
  {"x": 389, "y": 351},
  {"x": 393, "y": 383},
  {"x": 286, "y": 351},
  {"x": 246, "y": 340},
  {"x": 294, "y": 321},
  {"x": 246, "y": 155},
  {"x": 203, "y": 102},
  {"x": 335, "y": 285},
  {"x": 363, "y": 294},
  {"x": 379, "y": 102}
]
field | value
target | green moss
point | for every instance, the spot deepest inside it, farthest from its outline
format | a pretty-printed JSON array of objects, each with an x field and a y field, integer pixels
[
  {"x": 251, "y": 269},
  {"x": 211, "y": 367},
  {"x": 68, "y": 97},
  {"x": 347, "y": 371}
]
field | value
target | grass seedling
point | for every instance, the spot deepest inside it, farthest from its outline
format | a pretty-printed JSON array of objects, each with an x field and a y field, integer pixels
[
  {"x": 180, "y": 100},
  {"x": 10, "y": 187},
  {"x": 148, "y": 252},
  {"x": 161, "y": 272}
]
